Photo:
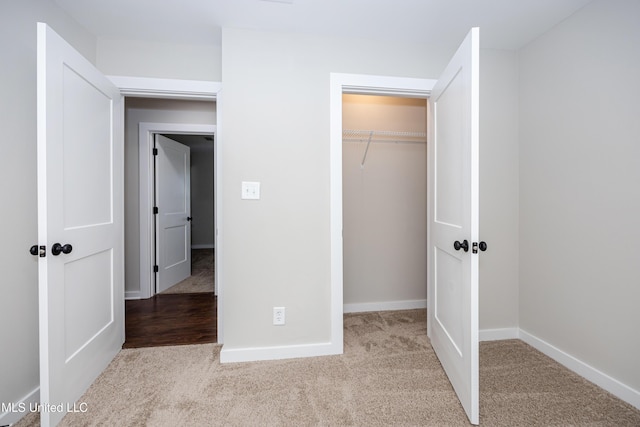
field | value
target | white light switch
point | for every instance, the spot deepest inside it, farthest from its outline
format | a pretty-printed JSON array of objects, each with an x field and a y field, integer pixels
[{"x": 250, "y": 190}]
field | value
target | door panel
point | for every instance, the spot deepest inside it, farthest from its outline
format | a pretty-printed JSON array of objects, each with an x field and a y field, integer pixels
[
  {"x": 453, "y": 290},
  {"x": 173, "y": 198},
  {"x": 80, "y": 202}
]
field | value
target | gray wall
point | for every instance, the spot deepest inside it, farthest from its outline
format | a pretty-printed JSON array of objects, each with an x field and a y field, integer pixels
[
  {"x": 384, "y": 203},
  {"x": 499, "y": 189},
  {"x": 580, "y": 187},
  {"x": 139, "y": 110},
  {"x": 202, "y": 173},
  {"x": 161, "y": 60},
  {"x": 276, "y": 130},
  {"x": 18, "y": 228}
]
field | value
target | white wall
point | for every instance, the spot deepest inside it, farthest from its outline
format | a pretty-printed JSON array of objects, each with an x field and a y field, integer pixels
[
  {"x": 276, "y": 131},
  {"x": 161, "y": 60},
  {"x": 18, "y": 228},
  {"x": 579, "y": 188},
  {"x": 139, "y": 110},
  {"x": 384, "y": 203}
]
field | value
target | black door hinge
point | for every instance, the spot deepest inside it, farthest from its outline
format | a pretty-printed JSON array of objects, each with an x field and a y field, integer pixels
[
  {"x": 155, "y": 151},
  {"x": 155, "y": 269},
  {"x": 155, "y": 210}
]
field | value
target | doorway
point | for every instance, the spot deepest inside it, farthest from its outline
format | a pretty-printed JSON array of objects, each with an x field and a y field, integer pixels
[
  {"x": 152, "y": 319},
  {"x": 198, "y": 238},
  {"x": 384, "y": 177}
]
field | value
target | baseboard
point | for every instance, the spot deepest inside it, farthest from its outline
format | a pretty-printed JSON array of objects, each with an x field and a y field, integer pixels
[
  {"x": 384, "y": 306},
  {"x": 132, "y": 295},
  {"x": 17, "y": 410},
  {"x": 498, "y": 334},
  {"x": 251, "y": 354},
  {"x": 205, "y": 246},
  {"x": 613, "y": 386}
]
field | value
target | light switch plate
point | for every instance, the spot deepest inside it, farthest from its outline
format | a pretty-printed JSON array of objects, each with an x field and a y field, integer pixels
[{"x": 250, "y": 190}]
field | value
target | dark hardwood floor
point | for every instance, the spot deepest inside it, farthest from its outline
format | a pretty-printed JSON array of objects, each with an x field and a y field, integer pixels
[{"x": 173, "y": 319}]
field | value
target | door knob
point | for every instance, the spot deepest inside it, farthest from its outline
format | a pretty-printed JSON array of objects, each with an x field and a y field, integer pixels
[
  {"x": 34, "y": 250},
  {"x": 482, "y": 246},
  {"x": 464, "y": 245},
  {"x": 189, "y": 218},
  {"x": 57, "y": 249}
]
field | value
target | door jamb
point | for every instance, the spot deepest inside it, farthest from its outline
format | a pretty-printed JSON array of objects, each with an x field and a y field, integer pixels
[
  {"x": 365, "y": 85},
  {"x": 188, "y": 90}
]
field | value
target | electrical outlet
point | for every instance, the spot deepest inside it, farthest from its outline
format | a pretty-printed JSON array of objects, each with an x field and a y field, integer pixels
[{"x": 278, "y": 315}]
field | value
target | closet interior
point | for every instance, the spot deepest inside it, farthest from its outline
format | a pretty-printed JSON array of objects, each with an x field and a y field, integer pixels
[{"x": 384, "y": 179}]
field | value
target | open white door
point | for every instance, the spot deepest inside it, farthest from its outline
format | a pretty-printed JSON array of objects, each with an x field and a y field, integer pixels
[
  {"x": 453, "y": 270},
  {"x": 80, "y": 223},
  {"x": 173, "y": 221}
]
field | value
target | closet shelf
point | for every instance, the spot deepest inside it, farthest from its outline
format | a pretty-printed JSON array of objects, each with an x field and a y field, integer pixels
[{"x": 360, "y": 135}]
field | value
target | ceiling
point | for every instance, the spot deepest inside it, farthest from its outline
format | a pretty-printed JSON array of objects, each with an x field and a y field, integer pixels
[{"x": 504, "y": 24}]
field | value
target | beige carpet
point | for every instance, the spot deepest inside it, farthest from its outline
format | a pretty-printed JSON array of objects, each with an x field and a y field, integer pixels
[
  {"x": 388, "y": 376},
  {"x": 201, "y": 279}
]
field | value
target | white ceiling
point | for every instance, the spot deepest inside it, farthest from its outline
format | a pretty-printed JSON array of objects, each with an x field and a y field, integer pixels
[{"x": 504, "y": 24}]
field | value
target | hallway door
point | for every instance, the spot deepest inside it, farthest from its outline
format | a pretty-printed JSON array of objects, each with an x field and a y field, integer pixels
[{"x": 173, "y": 218}]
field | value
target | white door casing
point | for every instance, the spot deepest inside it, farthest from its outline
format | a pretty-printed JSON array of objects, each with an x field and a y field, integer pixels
[
  {"x": 453, "y": 177},
  {"x": 80, "y": 203},
  {"x": 173, "y": 200}
]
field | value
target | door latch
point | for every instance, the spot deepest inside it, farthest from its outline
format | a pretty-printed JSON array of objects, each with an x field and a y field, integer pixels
[
  {"x": 41, "y": 251},
  {"x": 475, "y": 246}
]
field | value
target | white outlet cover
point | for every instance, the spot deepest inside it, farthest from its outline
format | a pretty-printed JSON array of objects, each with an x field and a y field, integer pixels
[
  {"x": 278, "y": 316},
  {"x": 250, "y": 190}
]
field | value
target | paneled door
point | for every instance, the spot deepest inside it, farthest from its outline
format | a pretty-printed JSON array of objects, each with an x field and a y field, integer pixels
[
  {"x": 80, "y": 223},
  {"x": 173, "y": 220},
  {"x": 453, "y": 263}
]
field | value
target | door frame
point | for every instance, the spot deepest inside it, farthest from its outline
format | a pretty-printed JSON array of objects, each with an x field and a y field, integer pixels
[
  {"x": 361, "y": 84},
  {"x": 146, "y": 178},
  {"x": 144, "y": 87}
]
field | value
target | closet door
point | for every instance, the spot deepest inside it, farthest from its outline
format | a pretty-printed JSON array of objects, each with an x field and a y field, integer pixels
[{"x": 453, "y": 269}]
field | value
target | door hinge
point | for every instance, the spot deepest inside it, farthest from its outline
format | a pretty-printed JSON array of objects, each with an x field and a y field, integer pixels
[
  {"x": 155, "y": 210},
  {"x": 155, "y": 269},
  {"x": 155, "y": 151}
]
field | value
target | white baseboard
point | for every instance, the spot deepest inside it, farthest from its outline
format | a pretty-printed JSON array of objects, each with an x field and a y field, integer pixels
[
  {"x": 132, "y": 295},
  {"x": 205, "y": 246},
  {"x": 499, "y": 334},
  {"x": 19, "y": 409},
  {"x": 613, "y": 386},
  {"x": 384, "y": 306},
  {"x": 232, "y": 355}
]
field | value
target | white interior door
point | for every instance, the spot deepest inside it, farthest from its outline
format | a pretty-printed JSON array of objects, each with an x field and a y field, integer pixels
[
  {"x": 173, "y": 223},
  {"x": 80, "y": 207},
  {"x": 453, "y": 271}
]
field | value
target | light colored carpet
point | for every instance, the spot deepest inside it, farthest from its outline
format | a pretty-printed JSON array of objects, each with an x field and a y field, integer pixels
[
  {"x": 388, "y": 376},
  {"x": 201, "y": 279}
]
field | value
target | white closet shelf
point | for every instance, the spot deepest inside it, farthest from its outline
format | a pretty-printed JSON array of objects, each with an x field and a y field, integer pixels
[
  {"x": 369, "y": 136},
  {"x": 361, "y": 135}
]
